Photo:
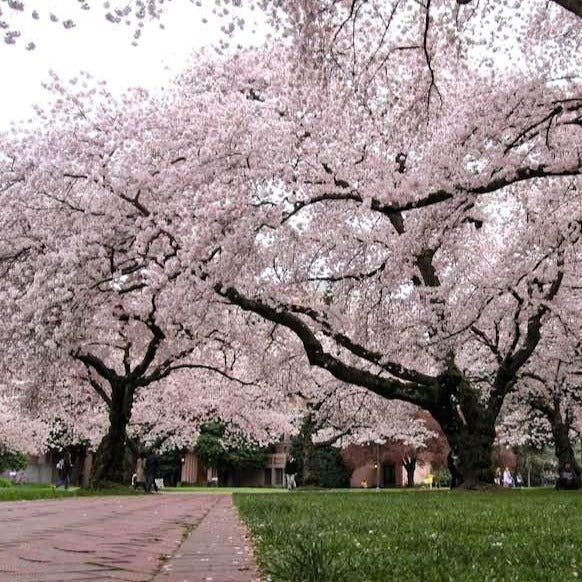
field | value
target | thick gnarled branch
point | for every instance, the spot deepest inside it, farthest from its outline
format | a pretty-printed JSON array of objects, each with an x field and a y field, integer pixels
[{"x": 421, "y": 395}]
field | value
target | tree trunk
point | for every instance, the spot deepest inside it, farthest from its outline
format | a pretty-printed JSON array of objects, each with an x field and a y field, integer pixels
[
  {"x": 561, "y": 425},
  {"x": 410, "y": 466},
  {"x": 563, "y": 446},
  {"x": 469, "y": 425},
  {"x": 310, "y": 459},
  {"x": 111, "y": 459},
  {"x": 475, "y": 449}
]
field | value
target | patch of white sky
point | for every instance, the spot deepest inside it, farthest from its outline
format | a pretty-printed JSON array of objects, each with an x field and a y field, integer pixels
[{"x": 105, "y": 51}]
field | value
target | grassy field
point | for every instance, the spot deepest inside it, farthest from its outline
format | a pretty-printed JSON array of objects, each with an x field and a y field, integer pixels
[
  {"x": 47, "y": 491},
  {"x": 518, "y": 535},
  {"x": 222, "y": 490}
]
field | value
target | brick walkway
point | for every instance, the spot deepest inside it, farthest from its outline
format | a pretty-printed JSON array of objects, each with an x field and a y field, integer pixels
[{"x": 153, "y": 538}]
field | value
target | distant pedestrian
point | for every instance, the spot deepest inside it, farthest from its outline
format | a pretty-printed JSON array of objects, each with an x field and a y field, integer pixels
[
  {"x": 64, "y": 467},
  {"x": 498, "y": 480},
  {"x": 151, "y": 469},
  {"x": 453, "y": 465},
  {"x": 508, "y": 478},
  {"x": 291, "y": 472},
  {"x": 139, "y": 478}
]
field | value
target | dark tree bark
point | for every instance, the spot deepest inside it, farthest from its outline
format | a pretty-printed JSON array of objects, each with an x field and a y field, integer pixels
[
  {"x": 469, "y": 426},
  {"x": 561, "y": 423},
  {"x": 410, "y": 466},
  {"x": 573, "y": 6},
  {"x": 563, "y": 446},
  {"x": 113, "y": 453}
]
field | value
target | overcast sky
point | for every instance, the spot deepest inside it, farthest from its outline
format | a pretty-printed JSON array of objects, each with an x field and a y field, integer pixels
[{"x": 102, "y": 49}]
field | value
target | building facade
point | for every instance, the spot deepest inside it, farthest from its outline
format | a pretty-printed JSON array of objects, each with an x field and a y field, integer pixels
[
  {"x": 272, "y": 475},
  {"x": 370, "y": 466}
]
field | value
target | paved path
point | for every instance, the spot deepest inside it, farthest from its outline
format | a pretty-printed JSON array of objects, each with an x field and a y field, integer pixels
[{"x": 153, "y": 538}]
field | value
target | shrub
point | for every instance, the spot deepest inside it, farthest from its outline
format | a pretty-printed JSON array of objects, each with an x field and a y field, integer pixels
[
  {"x": 12, "y": 459},
  {"x": 328, "y": 469},
  {"x": 5, "y": 483},
  {"x": 223, "y": 446},
  {"x": 442, "y": 478},
  {"x": 333, "y": 472}
]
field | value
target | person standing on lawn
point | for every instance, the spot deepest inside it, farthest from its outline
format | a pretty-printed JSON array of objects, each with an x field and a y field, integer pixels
[
  {"x": 291, "y": 472},
  {"x": 151, "y": 469},
  {"x": 64, "y": 467},
  {"x": 452, "y": 463},
  {"x": 507, "y": 478},
  {"x": 139, "y": 476}
]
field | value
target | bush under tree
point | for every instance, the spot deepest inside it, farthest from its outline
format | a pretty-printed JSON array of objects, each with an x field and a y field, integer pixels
[{"x": 11, "y": 459}]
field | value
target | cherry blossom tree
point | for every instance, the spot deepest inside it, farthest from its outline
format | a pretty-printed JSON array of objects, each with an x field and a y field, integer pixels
[
  {"x": 91, "y": 293},
  {"x": 427, "y": 258},
  {"x": 546, "y": 397},
  {"x": 18, "y": 429},
  {"x": 551, "y": 387},
  {"x": 171, "y": 415}
]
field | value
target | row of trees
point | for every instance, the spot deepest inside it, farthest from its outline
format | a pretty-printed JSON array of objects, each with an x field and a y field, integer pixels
[{"x": 377, "y": 202}]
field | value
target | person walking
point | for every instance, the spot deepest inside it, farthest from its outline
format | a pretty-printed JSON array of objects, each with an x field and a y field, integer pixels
[
  {"x": 64, "y": 467},
  {"x": 291, "y": 472},
  {"x": 507, "y": 478},
  {"x": 139, "y": 479},
  {"x": 452, "y": 463},
  {"x": 151, "y": 469}
]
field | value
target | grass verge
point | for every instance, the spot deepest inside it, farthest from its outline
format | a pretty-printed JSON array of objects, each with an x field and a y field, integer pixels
[
  {"x": 222, "y": 490},
  {"x": 379, "y": 537},
  {"x": 47, "y": 491}
]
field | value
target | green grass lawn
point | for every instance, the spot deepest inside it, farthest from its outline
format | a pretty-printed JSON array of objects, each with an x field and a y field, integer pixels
[
  {"x": 47, "y": 491},
  {"x": 222, "y": 490},
  {"x": 518, "y": 535}
]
